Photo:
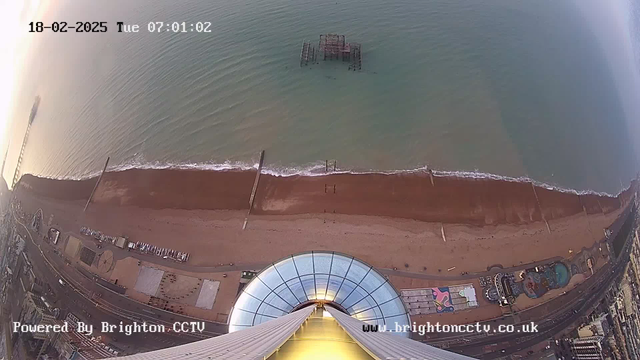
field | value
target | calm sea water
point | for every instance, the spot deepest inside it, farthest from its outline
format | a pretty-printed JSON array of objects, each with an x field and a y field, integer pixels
[{"x": 515, "y": 88}]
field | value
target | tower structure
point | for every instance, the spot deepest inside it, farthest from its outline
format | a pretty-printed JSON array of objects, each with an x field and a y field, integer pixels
[
  {"x": 309, "y": 306},
  {"x": 34, "y": 110}
]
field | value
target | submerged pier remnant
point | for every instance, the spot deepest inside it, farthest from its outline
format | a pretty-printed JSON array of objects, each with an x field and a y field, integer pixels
[
  {"x": 308, "y": 53},
  {"x": 332, "y": 47}
]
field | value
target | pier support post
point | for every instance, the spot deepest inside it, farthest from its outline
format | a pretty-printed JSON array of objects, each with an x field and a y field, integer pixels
[{"x": 97, "y": 183}]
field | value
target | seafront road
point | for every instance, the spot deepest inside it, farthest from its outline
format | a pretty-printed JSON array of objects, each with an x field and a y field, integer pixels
[{"x": 77, "y": 297}]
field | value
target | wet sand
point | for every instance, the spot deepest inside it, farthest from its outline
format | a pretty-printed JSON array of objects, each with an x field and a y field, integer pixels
[{"x": 405, "y": 195}]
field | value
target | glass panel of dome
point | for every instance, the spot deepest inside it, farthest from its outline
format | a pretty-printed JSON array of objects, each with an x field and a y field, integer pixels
[
  {"x": 309, "y": 285},
  {"x": 321, "y": 285},
  {"x": 340, "y": 265},
  {"x": 241, "y": 317},
  {"x": 393, "y": 307},
  {"x": 365, "y": 315},
  {"x": 257, "y": 289},
  {"x": 248, "y": 303},
  {"x": 370, "y": 314},
  {"x": 278, "y": 302},
  {"x": 322, "y": 262},
  {"x": 384, "y": 294},
  {"x": 334, "y": 284},
  {"x": 357, "y": 271},
  {"x": 286, "y": 294},
  {"x": 376, "y": 315},
  {"x": 286, "y": 269},
  {"x": 296, "y": 286},
  {"x": 271, "y": 278},
  {"x": 304, "y": 264},
  {"x": 357, "y": 295},
  {"x": 346, "y": 289},
  {"x": 377, "y": 311},
  {"x": 372, "y": 281},
  {"x": 366, "y": 303},
  {"x": 267, "y": 309}
]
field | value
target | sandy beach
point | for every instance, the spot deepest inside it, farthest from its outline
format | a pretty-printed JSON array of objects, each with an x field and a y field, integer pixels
[{"x": 390, "y": 221}]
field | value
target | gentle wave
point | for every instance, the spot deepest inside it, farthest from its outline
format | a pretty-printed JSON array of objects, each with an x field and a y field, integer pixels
[{"x": 318, "y": 169}]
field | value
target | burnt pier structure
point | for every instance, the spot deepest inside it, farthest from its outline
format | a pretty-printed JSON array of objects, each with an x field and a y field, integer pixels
[{"x": 332, "y": 47}]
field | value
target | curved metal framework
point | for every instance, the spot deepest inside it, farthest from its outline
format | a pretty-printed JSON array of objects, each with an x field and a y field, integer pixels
[{"x": 325, "y": 277}]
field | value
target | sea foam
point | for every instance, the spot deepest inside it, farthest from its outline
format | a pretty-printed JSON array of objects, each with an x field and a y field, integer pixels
[{"x": 318, "y": 169}]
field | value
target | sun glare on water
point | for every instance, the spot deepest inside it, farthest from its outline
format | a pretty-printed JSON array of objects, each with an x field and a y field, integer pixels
[{"x": 14, "y": 17}]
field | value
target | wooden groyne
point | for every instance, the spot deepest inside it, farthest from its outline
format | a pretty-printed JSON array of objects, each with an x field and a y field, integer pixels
[
  {"x": 97, "y": 183},
  {"x": 254, "y": 189}
]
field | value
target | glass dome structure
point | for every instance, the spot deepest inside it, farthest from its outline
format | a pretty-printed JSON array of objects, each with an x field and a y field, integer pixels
[{"x": 347, "y": 283}]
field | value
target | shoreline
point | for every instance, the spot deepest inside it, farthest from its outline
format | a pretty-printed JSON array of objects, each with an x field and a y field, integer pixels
[
  {"x": 317, "y": 169},
  {"x": 406, "y": 195}
]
